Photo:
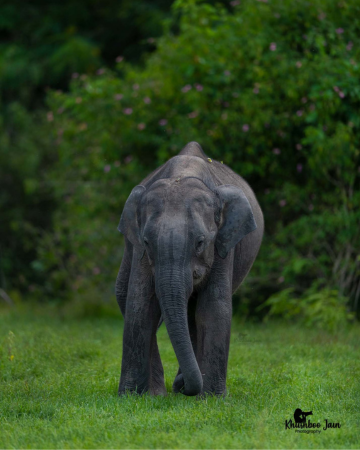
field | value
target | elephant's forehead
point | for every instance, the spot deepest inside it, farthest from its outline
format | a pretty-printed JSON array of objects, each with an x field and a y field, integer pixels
[{"x": 170, "y": 189}]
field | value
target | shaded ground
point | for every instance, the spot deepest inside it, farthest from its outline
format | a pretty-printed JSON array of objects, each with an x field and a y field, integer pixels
[{"x": 59, "y": 379}]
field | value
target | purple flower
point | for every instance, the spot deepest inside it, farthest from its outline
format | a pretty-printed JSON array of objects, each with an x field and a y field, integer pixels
[
  {"x": 128, "y": 159},
  {"x": 147, "y": 100},
  {"x": 163, "y": 122},
  {"x": 304, "y": 36},
  {"x": 272, "y": 46},
  {"x": 61, "y": 110},
  {"x": 300, "y": 112},
  {"x": 100, "y": 71},
  {"x": 281, "y": 279},
  {"x": 299, "y": 168},
  {"x": 235, "y": 3},
  {"x": 136, "y": 86},
  {"x": 282, "y": 203},
  {"x": 227, "y": 73},
  {"x": 199, "y": 87},
  {"x": 341, "y": 94},
  {"x": 298, "y": 146},
  {"x": 186, "y": 88},
  {"x": 339, "y": 30},
  {"x": 128, "y": 111},
  {"x": 349, "y": 46},
  {"x": 118, "y": 59},
  {"x": 50, "y": 116},
  {"x": 276, "y": 151},
  {"x": 304, "y": 99},
  {"x": 336, "y": 89},
  {"x": 193, "y": 114},
  {"x": 96, "y": 271},
  {"x": 141, "y": 126},
  {"x": 246, "y": 127},
  {"x": 107, "y": 168},
  {"x": 298, "y": 64},
  {"x": 118, "y": 96},
  {"x": 256, "y": 90},
  {"x": 75, "y": 75}
]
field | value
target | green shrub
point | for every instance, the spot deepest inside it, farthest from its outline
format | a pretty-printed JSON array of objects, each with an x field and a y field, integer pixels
[{"x": 272, "y": 90}]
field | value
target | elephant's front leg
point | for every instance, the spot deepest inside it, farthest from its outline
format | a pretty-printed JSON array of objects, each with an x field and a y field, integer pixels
[
  {"x": 213, "y": 323},
  {"x": 141, "y": 319}
]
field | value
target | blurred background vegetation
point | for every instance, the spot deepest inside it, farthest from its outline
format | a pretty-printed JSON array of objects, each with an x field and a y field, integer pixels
[{"x": 94, "y": 95}]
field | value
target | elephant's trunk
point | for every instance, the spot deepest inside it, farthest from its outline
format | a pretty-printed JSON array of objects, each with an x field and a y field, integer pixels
[{"x": 173, "y": 284}]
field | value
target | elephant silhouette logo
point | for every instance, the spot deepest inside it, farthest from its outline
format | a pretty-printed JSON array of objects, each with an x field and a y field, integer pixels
[{"x": 300, "y": 416}]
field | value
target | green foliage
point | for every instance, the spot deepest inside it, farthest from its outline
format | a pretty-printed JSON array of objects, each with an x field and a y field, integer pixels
[
  {"x": 59, "y": 380},
  {"x": 269, "y": 88}
]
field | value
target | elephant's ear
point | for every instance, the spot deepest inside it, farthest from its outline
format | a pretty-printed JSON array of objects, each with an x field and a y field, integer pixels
[
  {"x": 128, "y": 224},
  {"x": 238, "y": 219}
]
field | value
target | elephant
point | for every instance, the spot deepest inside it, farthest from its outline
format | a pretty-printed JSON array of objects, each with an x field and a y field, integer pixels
[{"x": 192, "y": 230}]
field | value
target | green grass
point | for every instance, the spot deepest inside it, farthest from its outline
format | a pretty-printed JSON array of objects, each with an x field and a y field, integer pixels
[{"x": 60, "y": 388}]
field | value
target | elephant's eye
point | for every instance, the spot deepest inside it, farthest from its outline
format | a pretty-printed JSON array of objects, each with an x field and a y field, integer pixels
[
  {"x": 146, "y": 242},
  {"x": 200, "y": 245}
]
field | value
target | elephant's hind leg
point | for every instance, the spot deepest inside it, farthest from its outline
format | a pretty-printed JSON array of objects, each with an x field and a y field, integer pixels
[{"x": 157, "y": 383}]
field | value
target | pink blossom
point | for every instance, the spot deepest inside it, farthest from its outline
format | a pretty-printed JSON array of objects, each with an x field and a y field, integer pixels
[
  {"x": 276, "y": 151},
  {"x": 118, "y": 96},
  {"x": 163, "y": 122},
  {"x": 339, "y": 30},
  {"x": 141, "y": 126},
  {"x": 117, "y": 163},
  {"x": 147, "y": 100},
  {"x": 128, "y": 111},
  {"x": 299, "y": 168},
  {"x": 246, "y": 127},
  {"x": 78, "y": 100},
  {"x": 96, "y": 271},
  {"x": 349, "y": 46},
  {"x": 336, "y": 89},
  {"x": 151, "y": 40},
  {"x": 75, "y": 75},
  {"x": 298, "y": 146},
  {"x": 136, "y": 86},
  {"x": 281, "y": 279},
  {"x": 235, "y": 2},
  {"x": 311, "y": 207},
  {"x": 298, "y": 64},
  {"x": 107, "y": 168},
  {"x": 61, "y": 110},
  {"x": 227, "y": 73},
  {"x": 304, "y": 99},
  {"x": 341, "y": 94},
  {"x": 199, "y": 87},
  {"x": 282, "y": 203},
  {"x": 50, "y": 116},
  {"x": 128, "y": 159},
  {"x": 272, "y": 46},
  {"x": 186, "y": 88},
  {"x": 100, "y": 71},
  {"x": 256, "y": 90},
  {"x": 300, "y": 112},
  {"x": 118, "y": 59},
  {"x": 193, "y": 114}
]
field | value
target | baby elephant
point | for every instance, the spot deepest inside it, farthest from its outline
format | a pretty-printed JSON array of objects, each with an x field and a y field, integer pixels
[{"x": 192, "y": 231}]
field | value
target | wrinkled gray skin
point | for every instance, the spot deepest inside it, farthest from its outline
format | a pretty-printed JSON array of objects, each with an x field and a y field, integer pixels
[{"x": 192, "y": 230}]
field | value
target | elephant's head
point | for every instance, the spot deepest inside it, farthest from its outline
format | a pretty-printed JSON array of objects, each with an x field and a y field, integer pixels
[{"x": 177, "y": 224}]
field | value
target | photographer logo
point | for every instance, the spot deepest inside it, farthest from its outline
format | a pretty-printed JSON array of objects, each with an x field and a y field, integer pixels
[{"x": 303, "y": 425}]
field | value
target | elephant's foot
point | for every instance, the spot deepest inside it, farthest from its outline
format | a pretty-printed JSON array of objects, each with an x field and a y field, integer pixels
[{"x": 159, "y": 390}]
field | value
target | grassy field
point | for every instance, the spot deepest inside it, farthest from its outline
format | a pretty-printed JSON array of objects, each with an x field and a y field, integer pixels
[{"x": 59, "y": 378}]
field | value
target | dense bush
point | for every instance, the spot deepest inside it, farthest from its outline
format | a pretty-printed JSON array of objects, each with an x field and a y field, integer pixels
[{"x": 272, "y": 89}]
